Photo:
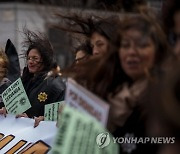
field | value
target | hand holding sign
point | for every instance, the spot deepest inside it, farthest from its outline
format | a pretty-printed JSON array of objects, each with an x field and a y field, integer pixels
[{"x": 15, "y": 98}]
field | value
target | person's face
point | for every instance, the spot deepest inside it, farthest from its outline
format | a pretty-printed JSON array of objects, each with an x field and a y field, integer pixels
[
  {"x": 99, "y": 44},
  {"x": 137, "y": 53},
  {"x": 34, "y": 61},
  {"x": 80, "y": 55}
]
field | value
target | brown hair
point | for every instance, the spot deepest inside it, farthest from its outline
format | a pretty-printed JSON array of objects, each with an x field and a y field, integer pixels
[
  {"x": 77, "y": 23},
  {"x": 108, "y": 75},
  {"x": 3, "y": 64},
  {"x": 149, "y": 27}
]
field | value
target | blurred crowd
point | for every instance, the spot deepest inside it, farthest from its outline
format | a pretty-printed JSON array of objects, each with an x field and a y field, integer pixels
[{"x": 131, "y": 62}]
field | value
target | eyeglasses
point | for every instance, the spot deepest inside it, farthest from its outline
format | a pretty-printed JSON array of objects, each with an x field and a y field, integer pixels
[{"x": 34, "y": 59}]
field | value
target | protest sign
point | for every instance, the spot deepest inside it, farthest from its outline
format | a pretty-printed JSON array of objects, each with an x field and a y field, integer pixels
[
  {"x": 15, "y": 98},
  {"x": 51, "y": 111},
  {"x": 17, "y": 135},
  {"x": 79, "y": 133},
  {"x": 87, "y": 102}
]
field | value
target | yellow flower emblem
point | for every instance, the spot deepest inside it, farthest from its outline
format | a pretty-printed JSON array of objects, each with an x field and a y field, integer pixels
[{"x": 42, "y": 97}]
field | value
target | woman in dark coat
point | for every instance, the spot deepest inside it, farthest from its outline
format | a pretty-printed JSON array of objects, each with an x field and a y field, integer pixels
[{"x": 40, "y": 78}]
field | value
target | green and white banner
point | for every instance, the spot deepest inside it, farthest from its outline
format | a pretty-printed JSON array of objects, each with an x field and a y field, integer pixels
[
  {"x": 79, "y": 133},
  {"x": 51, "y": 111}
]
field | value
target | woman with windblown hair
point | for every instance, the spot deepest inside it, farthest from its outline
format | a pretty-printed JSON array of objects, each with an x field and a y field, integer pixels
[
  {"x": 142, "y": 51},
  {"x": 122, "y": 76},
  {"x": 40, "y": 78},
  {"x": 99, "y": 32}
]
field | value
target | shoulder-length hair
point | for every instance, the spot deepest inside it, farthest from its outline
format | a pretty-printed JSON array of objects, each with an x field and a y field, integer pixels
[{"x": 40, "y": 42}]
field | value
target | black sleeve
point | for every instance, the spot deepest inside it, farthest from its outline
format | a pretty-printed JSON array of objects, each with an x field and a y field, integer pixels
[
  {"x": 57, "y": 90},
  {"x": 2, "y": 88}
]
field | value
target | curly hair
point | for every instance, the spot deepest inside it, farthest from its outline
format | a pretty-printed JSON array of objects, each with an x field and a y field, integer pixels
[
  {"x": 40, "y": 42},
  {"x": 3, "y": 65}
]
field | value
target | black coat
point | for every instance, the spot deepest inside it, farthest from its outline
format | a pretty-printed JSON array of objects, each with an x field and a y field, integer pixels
[{"x": 41, "y": 91}]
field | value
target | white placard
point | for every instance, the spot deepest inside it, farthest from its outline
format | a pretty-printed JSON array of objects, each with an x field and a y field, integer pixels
[{"x": 87, "y": 102}]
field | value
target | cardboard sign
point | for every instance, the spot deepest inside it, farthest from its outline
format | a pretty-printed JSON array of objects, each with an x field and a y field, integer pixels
[
  {"x": 15, "y": 98},
  {"x": 51, "y": 111},
  {"x": 87, "y": 102},
  {"x": 81, "y": 134}
]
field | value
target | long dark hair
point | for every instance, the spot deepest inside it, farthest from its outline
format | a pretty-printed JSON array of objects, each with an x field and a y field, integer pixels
[
  {"x": 85, "y": 46},
  {"x": 102, "y": 74},
  {"x": 108, "y": 75},
  {"x": 87, "y": 25},
  {"x": 170, "y": 7}
]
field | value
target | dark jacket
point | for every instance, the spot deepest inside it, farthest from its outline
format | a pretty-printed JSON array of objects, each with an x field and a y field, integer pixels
[
  {"x": 135, "y": 127},
  {"x": 3, "y": 85},
  {"x": 42, "y": 90}
]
